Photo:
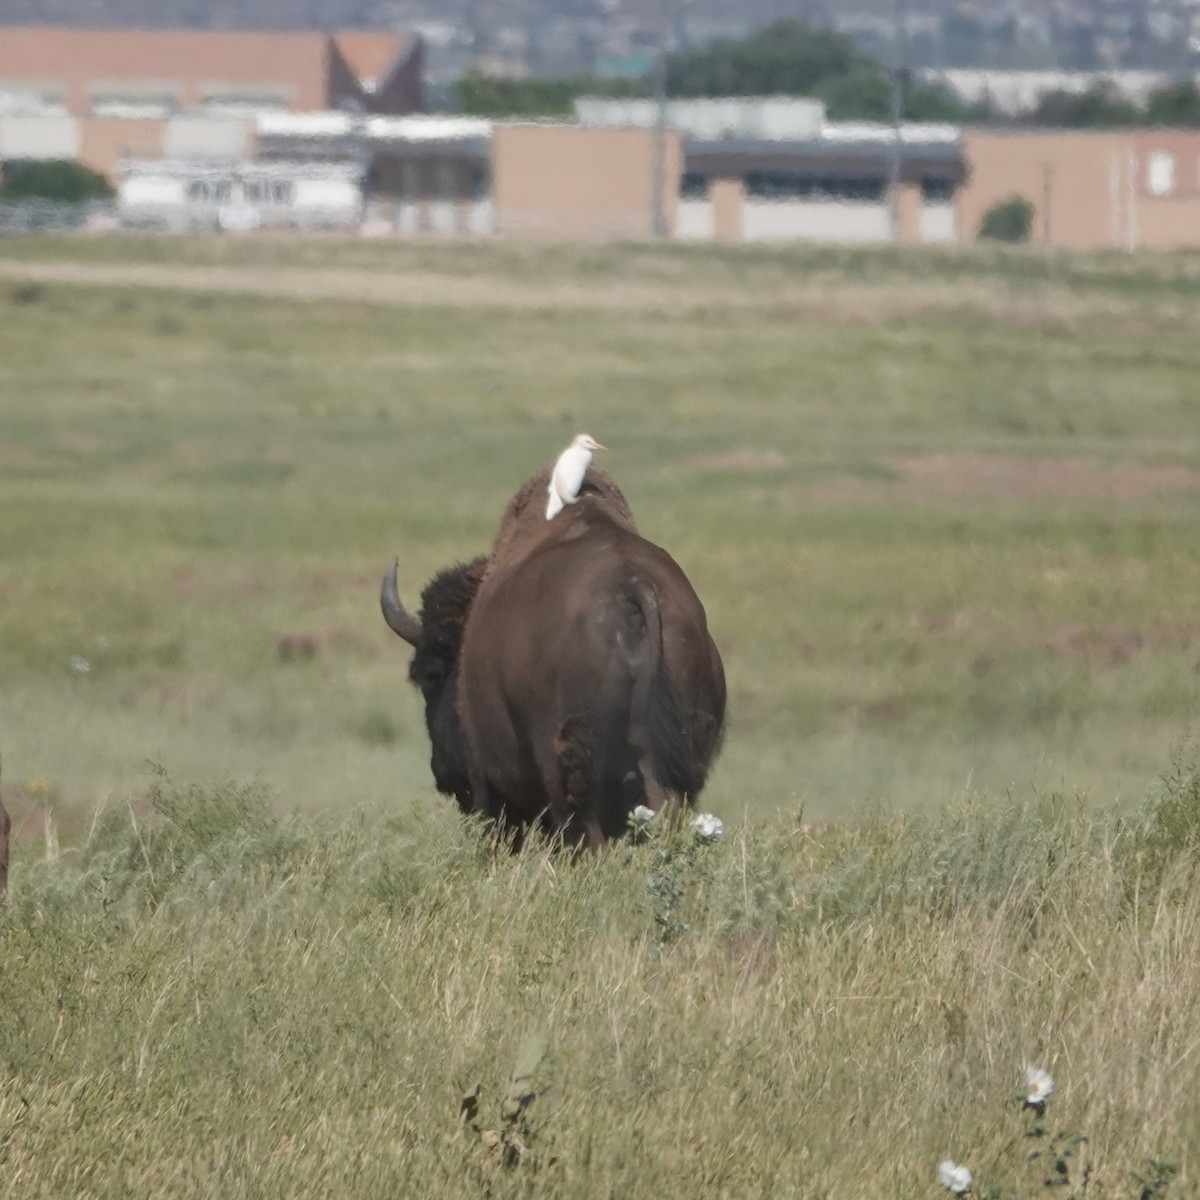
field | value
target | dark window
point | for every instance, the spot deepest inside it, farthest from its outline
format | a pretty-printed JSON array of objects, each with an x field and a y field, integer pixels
[
  {"x": 937, "y": 191},
  {"x": 268, "y": 191},
  {"x": 418, "y": 180},
  {"x": 693, "y": 186},
  {"x": 478, "y": 183},
  {"x": 209, "y": 191},
  {"x": 803, "y": 185}
]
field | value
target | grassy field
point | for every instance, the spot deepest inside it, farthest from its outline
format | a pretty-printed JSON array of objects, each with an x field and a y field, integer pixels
[
  {"x": 941, "y": 507},
  {"x": 942, "y": 510}
]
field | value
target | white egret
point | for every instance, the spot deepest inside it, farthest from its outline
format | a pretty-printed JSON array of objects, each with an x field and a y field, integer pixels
[{"x": 567, "y": 477}]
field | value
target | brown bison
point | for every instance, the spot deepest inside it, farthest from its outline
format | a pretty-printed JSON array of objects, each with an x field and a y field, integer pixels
[
  {"x": 5, "y": 827},
  {"x": 569, "y": 676}
]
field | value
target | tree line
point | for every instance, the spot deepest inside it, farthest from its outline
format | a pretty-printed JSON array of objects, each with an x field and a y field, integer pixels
[{"x": 796, "y": 58}]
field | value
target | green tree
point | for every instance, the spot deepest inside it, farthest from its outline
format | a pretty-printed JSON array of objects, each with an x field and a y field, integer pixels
[
  {"x": 1101, "y": 106},
  {"x": 52, "y": 179},
  {"x": 795, "y": 58},
  {"x": 864, "y": 93},
  {"x": 932, "y": 102},
  {"x": 787, "y": 57},
  {"x": 1008, "y": 220},
  {"x": 483, "y": 96},
  {"x": 1176, "y": 104}
]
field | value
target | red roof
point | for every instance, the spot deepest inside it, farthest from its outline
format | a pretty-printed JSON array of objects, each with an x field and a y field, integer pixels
[{"x": 372, "y": 56}]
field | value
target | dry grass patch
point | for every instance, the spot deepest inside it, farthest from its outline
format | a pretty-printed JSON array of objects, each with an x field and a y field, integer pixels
[{"x": 1030, "y": 478}]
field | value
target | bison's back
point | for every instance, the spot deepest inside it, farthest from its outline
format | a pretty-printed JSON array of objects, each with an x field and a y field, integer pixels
[{"x": 589, "y": 657}]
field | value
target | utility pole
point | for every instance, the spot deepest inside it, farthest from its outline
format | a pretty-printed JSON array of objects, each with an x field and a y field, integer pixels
[
  {"x": 658, "y": 145},
  {"x": 1047, "y": 193},
  {"x": 899, "y": 66}
]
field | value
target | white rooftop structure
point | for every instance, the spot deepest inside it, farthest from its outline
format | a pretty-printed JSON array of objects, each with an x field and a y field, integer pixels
[
  {"x": 427, "y": 128},
  {"x": 914, "y": 132},
  {"x": 346, "y": 124},
  {"x": 19, "y": 100},
  {"x": 772, "y": 118},
  {"x": 306, "y": 124}
]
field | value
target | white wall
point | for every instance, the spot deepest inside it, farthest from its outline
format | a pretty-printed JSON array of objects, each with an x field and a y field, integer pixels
[
  {"x": 442, "y": 216},
  {"x": 39, "y": 137},
  {"x": 694, "y": 219},
  {"x": 206, "y": 137},
  {"x": 937, "y": 223},
  {"x": 815, "y": 221},
  {"x": 340, "y": 195},
  {"x": 150, "y": 190},
  {"x": 480, "y": 218},
  {"x": 719, "y": 116}
]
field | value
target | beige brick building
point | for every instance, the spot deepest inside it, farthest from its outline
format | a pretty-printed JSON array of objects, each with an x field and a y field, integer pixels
[
  {"x": 101, "y": 95},
  {"x": 1090, "y": 189},
  {"x": 563, "y": 182},
  {"x": 156, "y": 72}
]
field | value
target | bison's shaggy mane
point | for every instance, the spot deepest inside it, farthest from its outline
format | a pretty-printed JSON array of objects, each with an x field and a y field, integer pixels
[{"x": 445, "y": 603}]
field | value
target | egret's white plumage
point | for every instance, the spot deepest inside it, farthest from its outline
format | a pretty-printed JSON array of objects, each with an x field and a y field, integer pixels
[{"x": 567, "y": 477}]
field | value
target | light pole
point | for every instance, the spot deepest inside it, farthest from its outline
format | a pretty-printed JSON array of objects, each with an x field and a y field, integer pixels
[
  {"x": 900, "y": 56},
  {"x": 658, "y": 145},
  {"x": 1047, "y": 192}
]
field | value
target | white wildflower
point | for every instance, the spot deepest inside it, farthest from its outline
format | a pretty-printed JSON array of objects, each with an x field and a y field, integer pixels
[
  {"x": 79, "y": 664},
  {"x": 643, "y": 815},
  {"x": 707, "y": 827},
  {"x": 1039, "y": 1085},
  {"x": 954, "y": 1177}
]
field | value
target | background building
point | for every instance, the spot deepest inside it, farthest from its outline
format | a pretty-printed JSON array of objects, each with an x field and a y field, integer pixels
[
  {"x": 1123, "y": 188},
  {"x": 570, "y": 182},
  {"x": 160, "y": 72},
  {"x": 99, "y": 95},
  {"x": 736, "y": 170},
  {"x": 772, "y": 168},
  {"x": 192, "y": 196}
]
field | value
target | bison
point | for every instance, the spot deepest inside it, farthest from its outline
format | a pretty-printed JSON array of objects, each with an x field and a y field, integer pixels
[
  {"x": 5, "y": 827},
  {"x": 568, "y": 676}
]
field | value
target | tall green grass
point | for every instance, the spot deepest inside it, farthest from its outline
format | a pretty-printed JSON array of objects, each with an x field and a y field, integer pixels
[{"x": 207, "y": 995}]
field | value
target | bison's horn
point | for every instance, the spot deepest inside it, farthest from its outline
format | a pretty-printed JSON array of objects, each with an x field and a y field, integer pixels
[{"x": 399, "y": 619}]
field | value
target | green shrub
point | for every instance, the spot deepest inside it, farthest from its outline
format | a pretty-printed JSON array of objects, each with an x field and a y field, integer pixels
[
  {"x": 1008, "y": 220},
  {"x": 53, "y": 179}
]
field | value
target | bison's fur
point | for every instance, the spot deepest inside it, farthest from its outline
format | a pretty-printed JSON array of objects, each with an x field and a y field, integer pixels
[
  {"x": 569, "y": 676},
  {"x": 5, "y": 828},
  {"x": 445, "y": 603}
]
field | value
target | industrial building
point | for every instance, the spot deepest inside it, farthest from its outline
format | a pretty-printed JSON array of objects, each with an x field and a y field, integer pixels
[
  {"x": 101, "y": 95},
  {"x": 838, "y": 183},
  {"x": 225, "y": 130},
  {"x": 744, "y": 170},
  {"x": 1121, "y": 189},
  {"x": 159, "y": 72}
]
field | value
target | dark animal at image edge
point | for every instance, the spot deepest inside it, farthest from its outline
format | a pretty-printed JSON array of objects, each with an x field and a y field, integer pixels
[
  {"x": 5, "y": 828},
  {"x": 569, "y": 676}
]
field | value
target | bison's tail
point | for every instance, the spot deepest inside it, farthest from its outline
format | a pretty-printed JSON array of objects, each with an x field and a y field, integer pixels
[{"x": 658, "y": 715}]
